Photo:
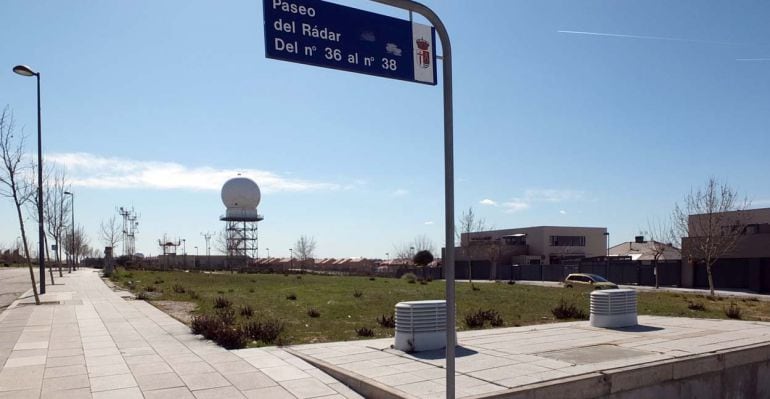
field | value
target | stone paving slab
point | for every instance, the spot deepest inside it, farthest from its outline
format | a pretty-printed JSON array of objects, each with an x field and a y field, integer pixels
[
  {"x": 495, "y": 361},
  {"x": 87, "y": 341}
]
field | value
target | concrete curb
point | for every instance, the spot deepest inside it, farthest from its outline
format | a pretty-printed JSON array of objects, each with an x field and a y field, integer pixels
[
  {"x": 15, "y": 303},
  {"x": 627, "y": 380},
  {"x": 364, "y": 386}
]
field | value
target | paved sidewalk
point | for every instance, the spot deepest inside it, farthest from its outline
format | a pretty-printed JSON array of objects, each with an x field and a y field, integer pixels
[{"x": 88, "y": 342}]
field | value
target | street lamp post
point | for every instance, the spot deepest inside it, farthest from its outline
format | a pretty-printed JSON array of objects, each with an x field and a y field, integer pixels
[
  {"x": 72, "y": 237},
  {"x": 196, "y": 252},
  {"x": 291, "y": 256},
  {"x": 268, "y": 254},
  {"x": 607, "y": 263},
  {"x": 24, "y": 70}
]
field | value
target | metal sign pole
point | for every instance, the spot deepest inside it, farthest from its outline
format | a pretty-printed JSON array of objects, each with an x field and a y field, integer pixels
[{"x": 449, "y": 191}]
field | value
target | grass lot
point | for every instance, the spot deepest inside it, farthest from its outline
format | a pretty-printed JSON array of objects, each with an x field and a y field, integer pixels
[{"x": 341, "y": 312}]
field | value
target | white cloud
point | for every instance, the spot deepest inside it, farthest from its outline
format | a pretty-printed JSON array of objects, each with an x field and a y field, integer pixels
[
  {"x": 552, "y": 195},
  {"x": 429, "y": 222},
  {"x": 89, "y": 170},
  {"x": 563, "y": 212},
  {"x": 488, "y": 201},
  {"x": 515, "y": 206},
  {"x": 401, "y": 192}
]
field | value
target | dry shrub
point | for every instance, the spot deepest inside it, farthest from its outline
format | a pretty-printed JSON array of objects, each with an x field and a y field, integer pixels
[
  {"x": 364, "y": 332},
  {"x": 568, "y": 310}
]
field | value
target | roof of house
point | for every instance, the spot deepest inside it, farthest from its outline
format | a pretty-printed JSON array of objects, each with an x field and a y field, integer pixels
[{"x": 646, "y": 250}]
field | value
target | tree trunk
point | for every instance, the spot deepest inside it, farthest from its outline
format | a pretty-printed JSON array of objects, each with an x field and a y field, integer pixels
[
  {"x": 655, "y": 270},
  {"x": 493, "y": 271},
  {"x": 58, "y": 257},
  {"x": 48, "y": 257},
  {"x": 26, "y": 250},
  {"x": 711, "y": 278},
  {"x": 470, "y": 272}
]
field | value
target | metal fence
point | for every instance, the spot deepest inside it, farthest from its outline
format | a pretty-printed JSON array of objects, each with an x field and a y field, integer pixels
[{"x": 617, "y": 271}]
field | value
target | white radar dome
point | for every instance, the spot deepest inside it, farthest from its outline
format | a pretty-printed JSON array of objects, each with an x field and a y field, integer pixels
[{"x": 241, "y": 193}]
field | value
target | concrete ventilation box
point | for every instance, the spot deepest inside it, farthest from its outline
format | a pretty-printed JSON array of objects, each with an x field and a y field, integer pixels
[
  {"x": 613, "y": 308},
  {"x": 420, "y": 325}
]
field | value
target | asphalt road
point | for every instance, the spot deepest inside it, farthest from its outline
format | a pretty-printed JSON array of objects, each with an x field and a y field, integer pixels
[{"x": 14, "y": 281}]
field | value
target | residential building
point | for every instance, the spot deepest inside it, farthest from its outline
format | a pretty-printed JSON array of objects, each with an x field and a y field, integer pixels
[
  {"x": 746, "y": 266},
  {"x": 491, "y": 253}
]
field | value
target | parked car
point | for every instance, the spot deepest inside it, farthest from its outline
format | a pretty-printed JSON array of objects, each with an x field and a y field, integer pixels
[{"x": 587, "y": 279}]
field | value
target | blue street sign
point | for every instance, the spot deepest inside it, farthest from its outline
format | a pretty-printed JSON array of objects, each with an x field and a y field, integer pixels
[{"x": 329, "y": 35}]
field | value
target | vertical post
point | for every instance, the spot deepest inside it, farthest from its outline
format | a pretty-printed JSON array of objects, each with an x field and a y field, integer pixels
[
  {"x": 607, "y": 257},
  {"x": 449, "y": 261},
  {"x": 72, "y": 239},
  {"x": 41, "y": 230}
]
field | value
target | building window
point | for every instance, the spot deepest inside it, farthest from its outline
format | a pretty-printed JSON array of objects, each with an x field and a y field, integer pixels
[{"x": 568, "y": 241}]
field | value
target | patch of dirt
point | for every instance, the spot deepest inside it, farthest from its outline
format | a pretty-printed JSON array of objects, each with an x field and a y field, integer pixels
[{"x": 179, "y": 310}]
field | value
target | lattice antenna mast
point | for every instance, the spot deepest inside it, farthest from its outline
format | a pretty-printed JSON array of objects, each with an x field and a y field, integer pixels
[
  {"x": 130, "y": 228},
  {"x": 207, "y": 236}
]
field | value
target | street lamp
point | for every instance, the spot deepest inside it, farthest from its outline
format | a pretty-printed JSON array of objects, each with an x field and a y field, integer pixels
[
  {"x": 607, "y": 263},
  {"x": 268, "y": 254},
  {"x": 196, "y": 253},
  {"x": 291, "y": 255},
  {"x": 24, "y": 70},
  {"x": 72, "y": 237}
]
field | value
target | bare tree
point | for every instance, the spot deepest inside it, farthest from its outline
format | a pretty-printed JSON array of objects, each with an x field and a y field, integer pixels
[
  {"x": 712, "y": 220},
  {"x": 469, "y": 223},
  {"x": 57, "y": 209},
  {"x": 406, "y": 251},
  {"x": 33, "y": 211},
  {"x": 493, "y": 250},
  {"x": 658, "y": 231},
  {"x": 304, "y": 249},
  {"x": 12, "y": 182},
  {"x": 110, "y": 231},
  {"x": 403, "y": 251},
  {"x": 423, "y": 243},
  {"x": 77, "y": 246}
]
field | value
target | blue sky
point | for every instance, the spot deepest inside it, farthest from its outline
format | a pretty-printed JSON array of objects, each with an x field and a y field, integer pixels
[{"x": 155, "y": 104}]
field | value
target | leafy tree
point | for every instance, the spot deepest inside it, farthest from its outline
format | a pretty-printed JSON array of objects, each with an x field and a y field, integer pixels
[{"x": 423, "y": 258}]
